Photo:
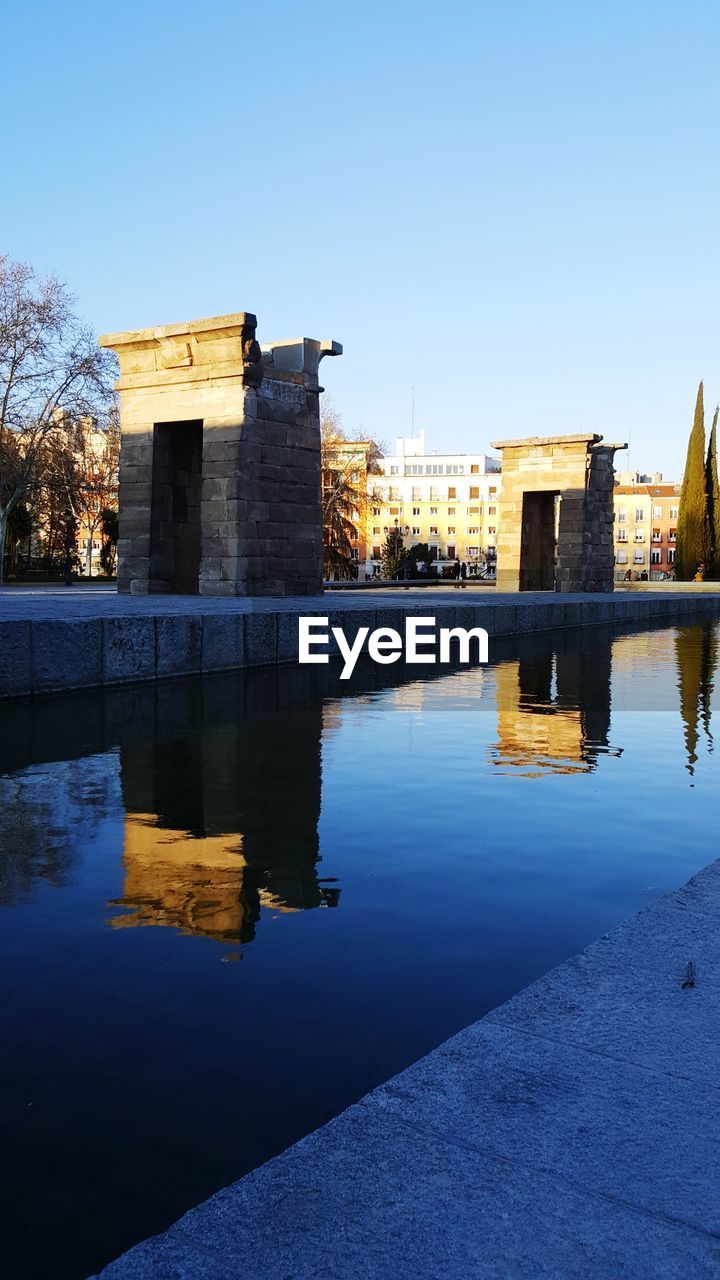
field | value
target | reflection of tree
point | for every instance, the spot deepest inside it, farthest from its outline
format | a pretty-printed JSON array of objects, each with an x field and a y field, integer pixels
[
  {"x": 46, "y": 812},
  {"x": 696, "y": 651}
]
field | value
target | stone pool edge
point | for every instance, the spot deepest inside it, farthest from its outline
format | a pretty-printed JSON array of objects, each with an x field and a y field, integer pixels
[
  {"x": 569, "y": 1132},
  {"x": 125, "y": 640}
]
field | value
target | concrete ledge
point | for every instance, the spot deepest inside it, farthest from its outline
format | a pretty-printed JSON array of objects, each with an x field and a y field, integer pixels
[
  {"x": 52, "y": 640},
  {"x": 571, "y": 1133}
]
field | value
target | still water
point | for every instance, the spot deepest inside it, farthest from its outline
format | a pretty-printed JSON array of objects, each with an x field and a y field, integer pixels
[{"x": 230, "y": 907}]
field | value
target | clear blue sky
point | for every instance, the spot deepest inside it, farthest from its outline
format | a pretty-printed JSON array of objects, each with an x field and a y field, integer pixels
[{"x": 512, "y": 207}]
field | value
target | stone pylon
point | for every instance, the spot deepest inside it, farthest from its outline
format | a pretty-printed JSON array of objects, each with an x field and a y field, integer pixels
[{"x": 220, "y": 460}]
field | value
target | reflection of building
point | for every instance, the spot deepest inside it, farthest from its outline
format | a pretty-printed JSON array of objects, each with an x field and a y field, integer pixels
[
  {"x": 222, "y": 821},
  {"x": 553, "y": 711}
]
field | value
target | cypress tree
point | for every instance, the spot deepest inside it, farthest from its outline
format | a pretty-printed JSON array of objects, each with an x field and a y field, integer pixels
[
  {"x": 712, "y": 491},
  {"x": 692, "y": 528}
]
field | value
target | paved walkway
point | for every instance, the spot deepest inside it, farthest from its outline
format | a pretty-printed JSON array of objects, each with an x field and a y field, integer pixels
[
  {"x": 35, "y": 603},
  {"x": 571, "y": 1133}
]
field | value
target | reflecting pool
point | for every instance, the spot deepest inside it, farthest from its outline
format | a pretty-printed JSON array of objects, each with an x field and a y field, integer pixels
[{"x": 231, "y": 906}]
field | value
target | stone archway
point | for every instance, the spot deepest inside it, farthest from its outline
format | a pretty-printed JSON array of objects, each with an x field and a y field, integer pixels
[
  {"x": 220, "y": 460},
  {"x": 555, "y": 528}
]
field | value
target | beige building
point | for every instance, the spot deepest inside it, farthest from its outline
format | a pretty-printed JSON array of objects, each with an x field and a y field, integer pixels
[
  {"x": 645, "y": 530},
  {"x": 447, "y": 500}
]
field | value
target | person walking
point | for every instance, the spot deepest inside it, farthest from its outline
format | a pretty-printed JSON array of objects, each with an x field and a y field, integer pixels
[{"x": 463, "y": 571}]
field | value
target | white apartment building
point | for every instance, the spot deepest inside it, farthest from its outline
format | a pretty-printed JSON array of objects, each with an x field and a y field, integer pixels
[{"x": 449, "y": 501}]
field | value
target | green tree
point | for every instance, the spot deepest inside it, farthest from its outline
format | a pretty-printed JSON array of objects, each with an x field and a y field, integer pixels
[
  {"x": 692, "y": 528},
  {"x": 419, "y": 553},
  {"x": 712, "y": 493},
  {"x": 110, "y": 531},
  {"x": 393, "y": 554}
]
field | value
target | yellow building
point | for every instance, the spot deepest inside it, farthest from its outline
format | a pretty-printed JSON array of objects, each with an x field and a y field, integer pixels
[{"x": 449, "y": 501}]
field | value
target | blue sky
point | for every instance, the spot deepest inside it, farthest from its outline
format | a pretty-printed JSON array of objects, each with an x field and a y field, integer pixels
[{"x": 511, "y": 207}]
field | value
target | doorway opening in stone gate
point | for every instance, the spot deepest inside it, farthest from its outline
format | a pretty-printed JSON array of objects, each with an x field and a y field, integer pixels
[
  {"x": 175, "y": 530},
  {"x": 538, "y": 543}
]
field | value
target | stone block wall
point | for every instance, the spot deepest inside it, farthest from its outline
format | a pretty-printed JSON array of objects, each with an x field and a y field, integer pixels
[
  {"x": 244, "y": 518},
  {"x": 578, "y": 470}
]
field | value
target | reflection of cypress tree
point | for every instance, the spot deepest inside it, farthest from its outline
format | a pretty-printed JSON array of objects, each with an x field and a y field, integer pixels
[
  {"x": 712, "y": 489},
  {"x": 707, "y": 684},
  {"x": 696, "y": 649},
  {"x": 692, "y": 527}
]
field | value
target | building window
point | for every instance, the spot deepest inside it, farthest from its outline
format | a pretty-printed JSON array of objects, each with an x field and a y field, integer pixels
[
  {"x": 654, "y": 557},
  {"x": 473, "y": 551},
  {"x": 622, "y": 517},
  {"x": 492, "y": 529},
  {"x": 639, "y": 535},
  {"x": 376, "y": 553},
  {"x": 492, "y": 490},
  {"x": 673, "y": 513},
  {"x": 672, "y": 535},
  {"x": 416, "y": 529},
  {"x": 451, "y": 529},
  {"x": 394, "y": 511},
  {"x": 376, "y": 511},
  {"x": 671, "y": 555},
  {"x": 657, "y": 513},
  {"x": 621, "y": 557},
  {"x": 377, "y": 530},
  {"x": 433, "y": 511},
  {"x": 474, "y": 492},
  {"x": 416, "y": 493},
  {"x": 639, "y": 515},
  {"x": 452, "y": 493},
  {"x": 434, "y": 493},
  {"x": 433, "y": 529},
  {"x": 451, "y": 551},
  {"x": 622, "y": 535},
  {"x": 492, "y": 511},
  {"x": 638, "y": 557},
  {"x": 434, "y": 470},
  {"x": 394, "y": 471},
  {"x": 394, "y": 493},
  {"x": 656, "y": 535},
  {"x": 473, "y": 530},
  {"x": 451, "y": 511},
  {"x": 354, "y": 553},
  {"x": 474, "y": 469},
  {"x": 416, "y": 511},
  {"x": 473, "y": 511}
]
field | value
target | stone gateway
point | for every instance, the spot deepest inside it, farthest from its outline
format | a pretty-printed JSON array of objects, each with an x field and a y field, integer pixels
[
  {"x": 555, "y": 531},
  {"x": 219, "y": 461}
]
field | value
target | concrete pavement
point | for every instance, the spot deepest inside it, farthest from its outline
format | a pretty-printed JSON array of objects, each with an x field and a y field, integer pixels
[{"x": 571, "y": 1133}]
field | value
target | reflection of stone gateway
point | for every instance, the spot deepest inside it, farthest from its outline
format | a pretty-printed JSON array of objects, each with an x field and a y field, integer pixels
[
  {"x": 220, "y": 460},
  {"x": 553, "y": 711},
  {"x": 222, "y": 808}
]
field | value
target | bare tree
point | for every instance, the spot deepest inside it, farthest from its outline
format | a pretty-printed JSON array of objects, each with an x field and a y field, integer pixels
[{"x": 50, "y": 364}]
